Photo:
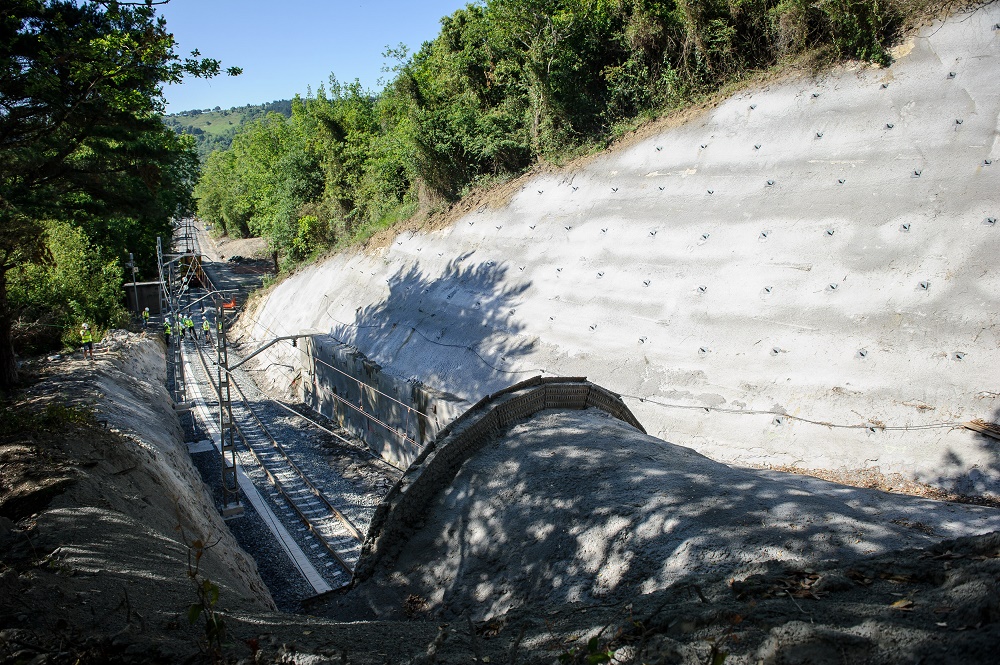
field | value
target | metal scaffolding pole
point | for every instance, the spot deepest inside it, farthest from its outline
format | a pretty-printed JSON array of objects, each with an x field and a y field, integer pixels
[
  {"x": 168, "y": 308},
  {"x": 230, "y": 485},
  {"x": 163, "y": 285},
  {"x": 175, "y": 339}
]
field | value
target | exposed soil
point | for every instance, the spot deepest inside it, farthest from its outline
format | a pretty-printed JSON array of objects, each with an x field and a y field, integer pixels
[
  {"x": 873, "y": 478},
  {"x": 102, "y": 515},
  {"x": 248, "y": 248}
]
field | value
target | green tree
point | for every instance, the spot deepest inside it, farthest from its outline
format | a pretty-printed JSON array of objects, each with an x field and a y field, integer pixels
[
  {"x": 504, "y": 84},
  {"x": 80, "y": 134},
  {"x": 79, "y": 282}
]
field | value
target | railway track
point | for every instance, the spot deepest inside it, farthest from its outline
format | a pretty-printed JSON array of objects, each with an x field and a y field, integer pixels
[
  {"x": 323, "y": 488},
  {"x": 334, "y": 538}
]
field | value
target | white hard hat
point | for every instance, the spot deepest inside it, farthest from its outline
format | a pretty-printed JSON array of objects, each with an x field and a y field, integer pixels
[
  {"x": 147, "y": 309},
  {"x": 86, "y": 326}
]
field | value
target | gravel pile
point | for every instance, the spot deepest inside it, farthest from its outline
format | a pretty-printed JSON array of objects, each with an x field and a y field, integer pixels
[{"x": 577, "y": 507}]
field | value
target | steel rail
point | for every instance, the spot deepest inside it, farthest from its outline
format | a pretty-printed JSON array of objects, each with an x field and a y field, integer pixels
[
  {"x": 362, "y": 387},
  {"x": 295, "y": 467},
  {"x": 277, "y": 483}
]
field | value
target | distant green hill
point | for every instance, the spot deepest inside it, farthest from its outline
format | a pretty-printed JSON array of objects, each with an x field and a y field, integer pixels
[{"x": 213, "y": 129}]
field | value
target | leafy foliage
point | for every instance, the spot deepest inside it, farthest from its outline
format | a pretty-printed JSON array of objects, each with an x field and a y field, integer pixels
[
  {"x": 207, "y": 593},
  {"x": 79, "y": 282},
  {"x": 81, "y": 138},
  {"x": 504, "y": 84}
]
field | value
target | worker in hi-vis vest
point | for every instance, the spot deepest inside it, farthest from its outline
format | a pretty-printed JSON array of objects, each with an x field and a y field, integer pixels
[
  {"x": 145, "y": 318},
  {"x": 205, "y": 328},
  {"x": 88, "y": 341},
  {"x": 166, "y": 331}
]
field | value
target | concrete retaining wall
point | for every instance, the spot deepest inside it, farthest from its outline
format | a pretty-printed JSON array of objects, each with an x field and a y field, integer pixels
[
  {"x": 436, "y": 466},
  {"x": 400, "y": 416}
]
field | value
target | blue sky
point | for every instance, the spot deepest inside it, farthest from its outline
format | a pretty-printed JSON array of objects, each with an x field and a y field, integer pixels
[{"x": 285, "y": 46}]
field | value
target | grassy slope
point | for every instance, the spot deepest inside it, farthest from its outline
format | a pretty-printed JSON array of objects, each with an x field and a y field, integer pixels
[
  {"x": 213, "y": 123},
  {"x": 214, "y": 130}
]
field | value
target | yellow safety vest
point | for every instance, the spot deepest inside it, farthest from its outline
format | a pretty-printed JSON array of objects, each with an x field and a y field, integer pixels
[
  {"x": 204, "y": 325},
  {"x": 166, "y": 328},
  {"x": 87, "y": 337}
]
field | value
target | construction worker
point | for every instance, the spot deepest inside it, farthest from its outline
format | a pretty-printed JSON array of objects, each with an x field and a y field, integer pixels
[
  {"x": 145, "y": 318},
  {"x": 166, "y": 331},
  {"x": 205, "y": 328},
  {"x": 88, "y": 341},
  {"x": 189, "y": 324}
]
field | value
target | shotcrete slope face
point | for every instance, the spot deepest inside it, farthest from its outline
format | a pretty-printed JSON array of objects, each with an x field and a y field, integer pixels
[
  {"x": 576, "y": 506},
  {"x": 821, "y": 248}
]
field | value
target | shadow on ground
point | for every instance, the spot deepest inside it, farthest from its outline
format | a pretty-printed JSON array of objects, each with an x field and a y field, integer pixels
[{"x": 577, "y": 507}]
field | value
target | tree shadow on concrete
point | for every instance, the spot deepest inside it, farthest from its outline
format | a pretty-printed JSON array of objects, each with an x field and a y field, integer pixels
[
  {"x": 451, "y": 326},
  {"x": 976, "y": 477},
  {"x": 577, "y": 507}
]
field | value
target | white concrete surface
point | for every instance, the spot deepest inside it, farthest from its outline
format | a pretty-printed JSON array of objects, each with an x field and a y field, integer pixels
[{"x": 788, "y": 252}]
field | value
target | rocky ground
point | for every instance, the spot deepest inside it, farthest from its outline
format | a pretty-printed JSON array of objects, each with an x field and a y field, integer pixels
[{"x": 93, "y": 568}]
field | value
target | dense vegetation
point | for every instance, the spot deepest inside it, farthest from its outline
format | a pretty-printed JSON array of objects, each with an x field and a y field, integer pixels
[
  {"x": 214, "y": 129},
  {"x": 88, "y": 172},
  {"x": 504, "y": 84}
]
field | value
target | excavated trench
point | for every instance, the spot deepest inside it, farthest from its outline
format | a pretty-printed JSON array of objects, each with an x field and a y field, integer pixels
[
  {"x": 783, "y": 280},
  {"x": 753, "y": 283}
]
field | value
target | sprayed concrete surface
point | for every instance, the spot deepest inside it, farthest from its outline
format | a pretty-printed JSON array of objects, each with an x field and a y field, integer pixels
[{"x": 804, "y": 275}]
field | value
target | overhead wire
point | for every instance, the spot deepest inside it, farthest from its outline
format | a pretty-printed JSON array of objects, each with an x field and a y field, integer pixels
[
  {"x": 464, "y": 347},
  {"x": 400, "y": 432},
  {"x": 267, "y": 515},
  {"x": 361, "y": 386},
  {"x": 872, "y": 424}
]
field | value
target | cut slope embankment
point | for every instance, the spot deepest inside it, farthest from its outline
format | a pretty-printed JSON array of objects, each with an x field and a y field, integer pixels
[
  {"x": 805, "y": 275},
  {"x": 108, "y": 557}
]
